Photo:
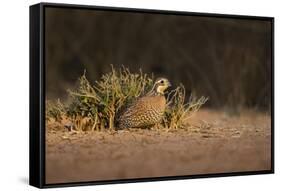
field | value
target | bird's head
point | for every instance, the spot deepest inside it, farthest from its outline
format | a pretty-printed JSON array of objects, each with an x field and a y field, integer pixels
[{"x": 160, "y": 85}]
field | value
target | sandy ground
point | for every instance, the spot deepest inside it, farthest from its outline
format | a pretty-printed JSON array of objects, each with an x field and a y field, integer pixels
[{"x": 214, "y": 143}]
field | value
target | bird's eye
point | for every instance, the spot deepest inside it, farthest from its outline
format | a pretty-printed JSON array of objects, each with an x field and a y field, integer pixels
[{"x": 162, "y": 81}]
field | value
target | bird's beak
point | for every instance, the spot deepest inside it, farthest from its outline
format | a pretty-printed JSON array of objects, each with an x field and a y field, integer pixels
[{"x": 169, "y": 84}]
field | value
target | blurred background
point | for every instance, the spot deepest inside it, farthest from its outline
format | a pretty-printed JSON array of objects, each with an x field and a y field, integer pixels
[{"x": 227, "y": 60}]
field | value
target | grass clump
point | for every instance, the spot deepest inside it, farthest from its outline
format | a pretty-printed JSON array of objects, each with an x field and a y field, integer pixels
[
  {"x": 96, "y": 106},
  {"x": 178, "y": 110},
  {"x": 54, "y": 110}
]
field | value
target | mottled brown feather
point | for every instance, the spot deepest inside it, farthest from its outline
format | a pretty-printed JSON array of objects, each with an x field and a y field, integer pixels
[{"x": 145, "y": 111}]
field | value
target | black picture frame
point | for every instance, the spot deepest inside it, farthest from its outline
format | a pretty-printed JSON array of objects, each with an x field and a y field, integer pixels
[{"x": 37, "y": 95}]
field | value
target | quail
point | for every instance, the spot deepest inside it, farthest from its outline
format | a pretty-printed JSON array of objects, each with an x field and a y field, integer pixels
[{"x": 148, "y": 110}]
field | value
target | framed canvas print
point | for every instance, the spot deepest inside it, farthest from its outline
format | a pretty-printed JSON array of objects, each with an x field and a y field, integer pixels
[{"x": 125, "y": 95}]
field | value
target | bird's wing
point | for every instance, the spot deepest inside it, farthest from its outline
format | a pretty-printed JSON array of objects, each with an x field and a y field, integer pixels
[{"x": 135, "y": 108}]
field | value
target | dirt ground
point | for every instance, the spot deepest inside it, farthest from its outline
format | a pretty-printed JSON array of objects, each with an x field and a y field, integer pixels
[{"x": 214, "y": 143}]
